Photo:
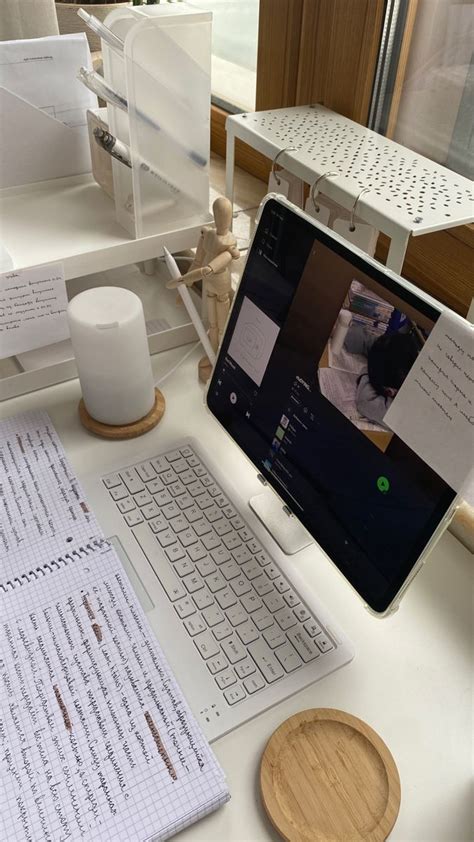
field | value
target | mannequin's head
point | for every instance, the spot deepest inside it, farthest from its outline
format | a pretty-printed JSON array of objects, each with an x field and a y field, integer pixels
[{"x": 222, "y": 210}]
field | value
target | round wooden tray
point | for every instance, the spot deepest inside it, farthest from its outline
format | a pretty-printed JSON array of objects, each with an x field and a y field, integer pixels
[
  {"x": 326, "y": 776},
  {"x": 124, "y": 431}
]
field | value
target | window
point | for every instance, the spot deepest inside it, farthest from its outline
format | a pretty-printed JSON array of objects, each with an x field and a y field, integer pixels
[
  {"x": 234, "y": 52},
  {"x": 424, "y": 84}
]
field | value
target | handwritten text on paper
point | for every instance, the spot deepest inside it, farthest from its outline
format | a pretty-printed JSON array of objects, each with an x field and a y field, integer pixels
[
  {"x": 434, "y": 409},
  {"x": 33, "y": 305}
]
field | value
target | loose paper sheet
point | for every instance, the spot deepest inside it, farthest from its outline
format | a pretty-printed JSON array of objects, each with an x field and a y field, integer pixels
[
  {"x": 33, "y": 305},
  {"x": 97, "y": 742},
  {"x": 42, "y": 504},
  {"x": 433, "y": 411}
]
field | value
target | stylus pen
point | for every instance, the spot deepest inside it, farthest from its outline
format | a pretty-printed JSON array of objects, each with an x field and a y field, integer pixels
[
  {"x": 99, "y": 86},
  {"x": 188, "y": 303},
  {"x": 100, "y": 29}
]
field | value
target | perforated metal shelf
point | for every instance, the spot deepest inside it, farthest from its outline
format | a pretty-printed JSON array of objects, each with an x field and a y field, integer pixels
[{"x": 409, "y": 194}]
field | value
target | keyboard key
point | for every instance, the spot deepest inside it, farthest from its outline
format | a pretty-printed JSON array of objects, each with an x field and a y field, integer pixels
[
  {"x": 158, "y": 523},
  {"x": 206, "y": 480},
  {"x": 241, "y": 586},
  {"x": 146, "y": 471},
  {"x": 193, "y": 514},
  {"x": 263, "y": 559},
  {"x": 183, "y": 566},
  {"x": 289, "y": 659},
  {"x": 254, "y": 683},
  {"x": 142, "y": 498},
  {"x": 265, "y": 660},
  {"x": 162, "y": 498},
  {"x": 173, "y": 456},
  {"x": 203, "y": 599},
  {"x": 247, "y": 632},
  {"x": 210, "y": 541},
  {"x": 232, "y": 541},
  {"x": 253, "y": 545},
  {"x": 184, "y": 501},
  {"x": 184, "y": 608},
  {"x": 273, "y": 602},
  {"x": 312, "y": 628},
  {"x": 234, "y": 650},
  {"x": 187, "y": 477},
  {"x": 132, "y": 480},
  {"x": 192, "y": 461},
  {"x": 126, "y": 505},
  {"x": 221, "y": 501},
  {"x": 194, "y": 625},
  {"x": 186, "y": 451},
  {"x": 234, "y": 694},
  {"x": 251, "y": 602},
  {"x": 230, "y": 570},
  {"x": 160, "y": 464},
  {"x": 228, "y": 510},
  {"x": 150, "y": 511},
  {"x": 217, "y": 664},
  {"x": 222, "y": 527},
  {"x": 245, "y": 668},
  {"x": 216, "y": 582},
  {"x": 281, "y": 585},
  {"x": 251, "y": 569},
  {"x": 119, "y": 492},
  {"x": 195, "y": 488},
  {"x": 272, "y": 571},
  {"x": 225, "y": 679},
  {"x": 241, "y": 554},
  {"x": 302, "y": 613},
  {"x": 245, "y": 534},
  {"x": 196, "y": 551},
  {"x": 175, "y": 553},
  {"x": 188, "y": 537},
  {"x": 213, "y": 490},
  {"x": 133, "y": 518},
  {"x": 225, "y": 597},
  {"x": 155, "y": 486},
  {"x": 176, "y": 488},
  {"x": 206, "y": 566},
  {"x": 180, "y": 465},
  {"x": 166, "y": 538},
  {"x": 170, "y": 510},
  {"x": 236, "y": 615},
  {"x": 222, "y": 631},
  {"x": 262, "y": 586},
  {"x": 285, "y": 618},
  {"x": 193, "y": 582},
  {"x": 303, "y": 643},
  {"x": 206, "y": 645},
  {"x": 237, "y": 522},
  {"x": 212, "y": 513},
  {"x": 291, "y": 599},
  {"x": 220, "y": 554},
  {"x": 213, "y": 616},
  {"x": 203, "y": 500},
  {"x": 323, "y": 643},
  {"x": 274, "y": 636},
  {"x": 168, "y": 476},
  {"x": 201, "y": 527},
  {"x": 111, "y": 481},
  {"x": 178, "y": 524},
  {"x": 262, "y": 618},
  {"x": 199, "y": 470}
]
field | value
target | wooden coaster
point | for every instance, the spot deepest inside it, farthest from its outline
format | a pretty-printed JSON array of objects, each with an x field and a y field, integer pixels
[
  {"x": 125, "y": 431},
  {"x": 326, "y": 776}
]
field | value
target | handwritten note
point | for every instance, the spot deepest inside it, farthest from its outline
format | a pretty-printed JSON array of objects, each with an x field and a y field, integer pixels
[
  {"x": 434, "y": 409},
  {"x": 33, "y": 305},
  {"x": 42, "y": 504},
  {"x": 97, "y": 742}
]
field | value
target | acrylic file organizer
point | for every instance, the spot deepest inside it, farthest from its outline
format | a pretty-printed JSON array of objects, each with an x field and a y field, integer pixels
[{"x": 164, "y": 75}]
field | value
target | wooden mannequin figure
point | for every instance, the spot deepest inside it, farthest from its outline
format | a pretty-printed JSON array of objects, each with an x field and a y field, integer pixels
[{"x": 216, "y": 250}]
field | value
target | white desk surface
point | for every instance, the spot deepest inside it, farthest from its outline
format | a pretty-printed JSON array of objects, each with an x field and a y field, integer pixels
[{"x": 412, "y": 676}]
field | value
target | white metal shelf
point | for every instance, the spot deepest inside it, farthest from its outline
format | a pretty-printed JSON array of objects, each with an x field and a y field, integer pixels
[{"x": 408, "y": 193}]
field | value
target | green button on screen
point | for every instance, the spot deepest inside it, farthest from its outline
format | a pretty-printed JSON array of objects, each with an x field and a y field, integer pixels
[{"x": 383, "y": 484}]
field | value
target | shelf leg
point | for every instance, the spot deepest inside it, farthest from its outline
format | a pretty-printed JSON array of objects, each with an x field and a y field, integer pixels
[
  {"x": 396, "y": 252},
  {"x": 229, "y": 167}
]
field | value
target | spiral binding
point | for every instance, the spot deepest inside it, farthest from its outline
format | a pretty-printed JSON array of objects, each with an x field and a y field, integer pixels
[{"x": 55, "y": 564}]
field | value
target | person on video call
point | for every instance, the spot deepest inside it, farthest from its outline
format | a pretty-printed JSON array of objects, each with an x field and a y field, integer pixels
[{"x": 389, "y": 359}]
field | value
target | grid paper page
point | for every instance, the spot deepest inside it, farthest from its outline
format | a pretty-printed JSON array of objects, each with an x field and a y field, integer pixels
[
  {"x": 97, "y": 742},
  {"x": 42, "y": 505}
]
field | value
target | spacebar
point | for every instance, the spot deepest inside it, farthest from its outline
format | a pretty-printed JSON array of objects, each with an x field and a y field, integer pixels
[{"x": 161, "y": 566}]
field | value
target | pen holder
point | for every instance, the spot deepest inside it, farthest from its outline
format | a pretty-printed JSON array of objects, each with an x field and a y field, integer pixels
[{"x": 108, "y": 335}]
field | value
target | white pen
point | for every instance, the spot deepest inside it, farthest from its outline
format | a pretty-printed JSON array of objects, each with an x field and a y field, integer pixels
[
  {"x": 100, "y": 29},
  {"x": 188, "y": 303}
]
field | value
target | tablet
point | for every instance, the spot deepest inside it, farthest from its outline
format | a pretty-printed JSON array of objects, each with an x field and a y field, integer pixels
[{"x": 318, "y": 342}]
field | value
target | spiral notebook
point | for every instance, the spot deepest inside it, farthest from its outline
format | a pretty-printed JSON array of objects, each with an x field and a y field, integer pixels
[{"x": 97, "y": 740}]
